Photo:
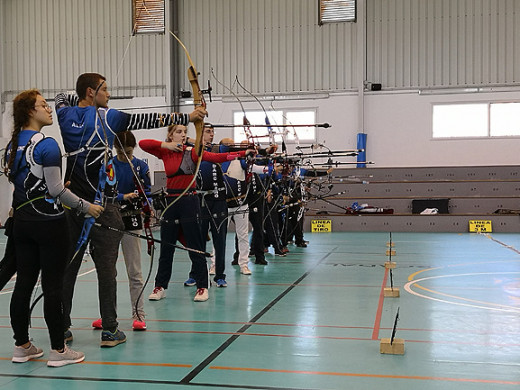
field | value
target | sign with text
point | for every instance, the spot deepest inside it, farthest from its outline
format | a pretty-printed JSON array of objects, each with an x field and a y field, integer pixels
[
  {"x": 321, "y": 225},
  {"x": 476, "y": 226}
]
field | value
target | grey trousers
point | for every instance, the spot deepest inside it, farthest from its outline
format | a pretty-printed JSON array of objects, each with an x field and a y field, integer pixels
[
  {"x": 132, "y": 253},
  {"x": 104, "y": 248}
]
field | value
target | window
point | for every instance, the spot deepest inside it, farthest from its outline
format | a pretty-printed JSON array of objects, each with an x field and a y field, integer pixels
[
  {"x": 332, "y": 11},
  {"x": 476, "y": 120},
  {"x": 460, "y": 120},
  {"x": 505, "y": 119},
  {"x": 277, "y": 117},
  {"x": 148, "y": 16}
]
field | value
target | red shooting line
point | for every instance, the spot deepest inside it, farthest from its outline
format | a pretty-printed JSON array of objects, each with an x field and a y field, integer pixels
[{"x": 377, "y": 322}]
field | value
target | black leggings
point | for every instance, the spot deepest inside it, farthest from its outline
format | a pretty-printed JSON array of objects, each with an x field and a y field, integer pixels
[{"x": 40, "y": 245}]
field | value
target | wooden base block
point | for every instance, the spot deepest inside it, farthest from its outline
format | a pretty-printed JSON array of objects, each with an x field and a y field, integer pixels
[
  {"x": 390, "y": 292},
  {"x": 390, "y": 252},
  {"x": 396, "y": 348},
  {"x": 390, "y": 244},
  {"x": 390, "y": 264}
]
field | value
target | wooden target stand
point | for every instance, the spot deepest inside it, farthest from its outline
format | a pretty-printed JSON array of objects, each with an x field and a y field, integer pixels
[
  {"x": 391, "y": 292},
  {"x": 392, "y": 345}
]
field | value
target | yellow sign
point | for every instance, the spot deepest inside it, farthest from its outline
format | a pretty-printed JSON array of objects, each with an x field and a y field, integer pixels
[
  {"x": 480, "y": 226},
  {"x": 321, "y": 225}
]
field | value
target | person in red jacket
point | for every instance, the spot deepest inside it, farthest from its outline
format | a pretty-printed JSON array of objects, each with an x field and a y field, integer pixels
[{"x": 180, "y": 163}]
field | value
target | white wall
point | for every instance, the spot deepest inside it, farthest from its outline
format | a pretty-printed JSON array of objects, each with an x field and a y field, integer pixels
[{"x": 399, "y": 133}]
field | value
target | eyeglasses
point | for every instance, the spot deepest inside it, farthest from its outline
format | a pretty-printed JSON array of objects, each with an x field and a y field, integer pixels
[{"x": 45, "y": 107}]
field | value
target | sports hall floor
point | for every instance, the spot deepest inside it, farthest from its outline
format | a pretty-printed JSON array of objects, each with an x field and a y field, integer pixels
[{"x": 311, "y": 320}]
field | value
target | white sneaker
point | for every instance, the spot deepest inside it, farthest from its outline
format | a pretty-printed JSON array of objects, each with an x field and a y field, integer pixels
[
  {"x": 201, "y": 295},
  {"x": 157, "y": 294},
  {"x": 212, "y": 270},
  {"x": 22, "y": 355},
  {"x": 245, "y": 270},
  {"x": 68, "y": 356}
]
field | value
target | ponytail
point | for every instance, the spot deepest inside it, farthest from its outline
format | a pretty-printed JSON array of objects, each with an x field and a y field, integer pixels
[{"x": 22, "y": 106}]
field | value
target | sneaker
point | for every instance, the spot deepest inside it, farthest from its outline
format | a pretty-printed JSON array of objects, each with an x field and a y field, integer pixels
[
  {"x": 139, "y": 325},
  {"x": 68, "y": 356},
  {"x": 98, "y": 324},
  {"x": 281, "y": 254},
  {"x": 67, "y": 336},
  {"x": 109, "y": 339},
  {"x": 190, "y": 282},
  {"x": 22, "y": 355},
  {"x": 157, "y": 294},
  {"x": 201, "y": 295},
  {"x": 212, "y": 270},
  {"x": 301, "y": 245},
  {"x": 262, "y": 262},
  {"x": 245, "y": 270},
  {"x": 221, "y": 283}
]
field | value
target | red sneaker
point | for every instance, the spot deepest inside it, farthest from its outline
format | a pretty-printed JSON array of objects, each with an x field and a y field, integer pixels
[
  {"x": 139, "y": 325},
  {"x": 97, "y": 324}
]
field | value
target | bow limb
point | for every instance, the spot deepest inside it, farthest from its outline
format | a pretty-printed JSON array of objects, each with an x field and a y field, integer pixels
[
  {"x": 246, "y": 124},
  {"x": 198, "y": 100},
  {"x": 267, "y": 122}
]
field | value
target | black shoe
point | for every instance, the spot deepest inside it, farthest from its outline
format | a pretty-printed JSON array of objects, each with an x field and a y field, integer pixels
[
  {"x": 301, "y": 245},
  {"x": 234, "y": 262},
  {"x": 261, "y": 262},
  {"x": 281, "y": 254}
]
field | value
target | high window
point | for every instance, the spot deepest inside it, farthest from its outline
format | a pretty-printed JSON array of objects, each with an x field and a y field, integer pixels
[
  {"x": 476, "y": 120},
  {"x": 148, "y": 16},
  {"x": 331, "y": 11}
]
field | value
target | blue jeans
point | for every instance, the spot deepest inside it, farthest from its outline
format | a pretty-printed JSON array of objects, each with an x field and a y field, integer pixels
[
  {"x": 187, "y": 211},
  {"x": 218, "y": 226}
]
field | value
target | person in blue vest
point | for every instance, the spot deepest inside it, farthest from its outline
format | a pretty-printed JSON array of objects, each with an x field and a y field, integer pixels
[
  {"x": 88, "y": 130},
  {"x": 40, "y": 232},
  {"x": 131, "y": 180}
]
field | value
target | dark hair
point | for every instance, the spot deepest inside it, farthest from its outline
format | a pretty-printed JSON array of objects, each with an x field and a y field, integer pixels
[
  {"x": 125, "y": 139},
  {"x": 22, "y": 106},
  {"x": 87, "y": 80}
]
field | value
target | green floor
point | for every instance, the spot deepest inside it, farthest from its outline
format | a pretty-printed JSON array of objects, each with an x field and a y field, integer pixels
[{"x": 311, "y": 320}]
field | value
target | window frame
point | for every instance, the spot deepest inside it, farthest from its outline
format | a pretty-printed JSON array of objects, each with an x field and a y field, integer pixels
[
  {"x": 488, "y": 134},
  {"x": 149, "y": 22},
  {"x": 326, "y": 5}
]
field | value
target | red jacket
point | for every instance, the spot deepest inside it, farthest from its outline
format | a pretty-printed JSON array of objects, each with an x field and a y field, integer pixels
[{"x": 172, "y": 161}]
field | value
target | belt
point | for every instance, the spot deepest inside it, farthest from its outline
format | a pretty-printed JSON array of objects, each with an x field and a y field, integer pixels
[
  {"x": 236, "y": 198},
  {"x": 174, "y": 194}
]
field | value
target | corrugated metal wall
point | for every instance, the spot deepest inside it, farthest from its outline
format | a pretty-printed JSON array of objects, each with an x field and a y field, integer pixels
[
  {"x": 48, "y": 43},
  {"x": 274, "y": 46},
  {"x": 443, "y": 43}
]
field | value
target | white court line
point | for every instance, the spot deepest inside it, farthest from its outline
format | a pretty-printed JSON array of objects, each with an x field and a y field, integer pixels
[
  {"x": 38, "y": 284},
  {"x": 470, "y": 362},
  {"x": 505, "y": 308}
]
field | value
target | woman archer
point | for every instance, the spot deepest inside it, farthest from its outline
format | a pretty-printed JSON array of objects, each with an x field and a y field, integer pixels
[{"x": 180, "y": 167}]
